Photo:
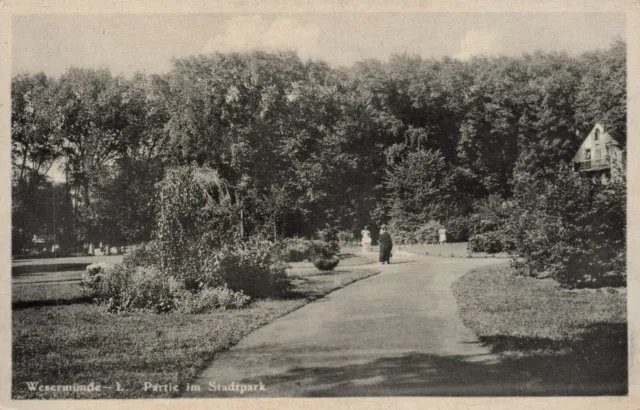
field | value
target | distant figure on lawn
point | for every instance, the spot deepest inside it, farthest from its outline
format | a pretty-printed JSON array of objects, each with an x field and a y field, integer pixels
[
  {"x": 366, "y": 239},
  {"x": 443, "y": 236},
  {"x": 385, "y": 245}
]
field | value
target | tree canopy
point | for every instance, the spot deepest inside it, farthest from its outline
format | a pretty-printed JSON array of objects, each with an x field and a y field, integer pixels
[{"x": 300, "y": 144}]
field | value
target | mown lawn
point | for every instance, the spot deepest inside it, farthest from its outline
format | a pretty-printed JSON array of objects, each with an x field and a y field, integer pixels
[
  {"x": 25, "y": 294},
  {"x": 562, "y": 335},
  {"x": 446, "y": 250},
  {"x": 80, "y": 343}
]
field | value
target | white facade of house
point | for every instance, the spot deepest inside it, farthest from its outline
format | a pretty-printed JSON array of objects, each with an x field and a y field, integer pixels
[{"x": 600, "y": 155}]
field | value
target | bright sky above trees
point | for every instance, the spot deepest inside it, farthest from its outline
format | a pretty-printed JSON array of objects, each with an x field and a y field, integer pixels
[{"x": 128, "y": 43}]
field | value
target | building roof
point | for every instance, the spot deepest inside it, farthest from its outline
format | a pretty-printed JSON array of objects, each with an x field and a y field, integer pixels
[{"x": 606, "y": 138}]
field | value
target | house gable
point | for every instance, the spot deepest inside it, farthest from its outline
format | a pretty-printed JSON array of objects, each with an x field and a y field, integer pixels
[
  {"x": 597, "y": 145},
  {"x": 599, "y": 154}
]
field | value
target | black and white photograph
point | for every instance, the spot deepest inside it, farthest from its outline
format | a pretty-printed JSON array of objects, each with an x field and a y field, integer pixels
[{"x": 269, "y": 204}]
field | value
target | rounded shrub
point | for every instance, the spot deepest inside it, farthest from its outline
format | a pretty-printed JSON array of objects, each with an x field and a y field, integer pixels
[
  {"x": 324, "y": 250},
  {"x": 326, "y": 264}
]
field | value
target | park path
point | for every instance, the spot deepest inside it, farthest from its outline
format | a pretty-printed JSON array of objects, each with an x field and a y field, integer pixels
[{"x": 396, "y": 333}]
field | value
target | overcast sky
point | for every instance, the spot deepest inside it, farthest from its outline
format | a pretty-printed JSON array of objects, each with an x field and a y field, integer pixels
[{"x": 128, "y": 43}]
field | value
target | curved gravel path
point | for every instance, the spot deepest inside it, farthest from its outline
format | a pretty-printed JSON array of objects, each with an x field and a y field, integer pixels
[{"x": 394, "y": 334}]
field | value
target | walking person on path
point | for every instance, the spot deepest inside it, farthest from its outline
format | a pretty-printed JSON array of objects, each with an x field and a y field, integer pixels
[{"x": 385, "y": 245}]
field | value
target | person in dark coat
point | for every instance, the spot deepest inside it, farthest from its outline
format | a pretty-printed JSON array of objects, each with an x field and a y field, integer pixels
[{"x": 385, "y": 245}]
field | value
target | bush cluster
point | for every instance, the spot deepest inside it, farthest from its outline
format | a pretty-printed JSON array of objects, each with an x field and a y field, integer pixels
[
  {"x": 347, "y": 238},
  {"x": 426, "y": 233},
  {"x": 296, "y": 249},
  {"x": 126, "y": 288},
  {"x": 210, "y": 298},
  {"x": 569, "y": 227},
  {"x": 323, "y": 254},
  {"x": 488, "y": 242},
  {"x": 226, "y": 277},
  {"x": 487, "y": 232},
  {"x": 92, "y": 275},
  {"x": 489, "y": 215},
  {"x": 457, "y": 229},
  {"x": 144, "y": 255},
  {"x": 250, "y": 267}
]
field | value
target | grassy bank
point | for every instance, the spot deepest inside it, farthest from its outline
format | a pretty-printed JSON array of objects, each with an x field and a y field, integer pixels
[
  {"x": 62, "y": 345},
  {"x": 560, "y": 335}
]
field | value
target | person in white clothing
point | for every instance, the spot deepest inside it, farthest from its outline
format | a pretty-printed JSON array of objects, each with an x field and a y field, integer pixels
[
  {"x": 443, "y": 236},
  {"x": 366, "y": 240}
]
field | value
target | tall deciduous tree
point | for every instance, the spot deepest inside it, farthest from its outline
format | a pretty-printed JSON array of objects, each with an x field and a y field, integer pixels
[
  {"x": 415, "y": 187},
  {"x": 602, "y": 93},
  {"x": 36, "y": 138}
]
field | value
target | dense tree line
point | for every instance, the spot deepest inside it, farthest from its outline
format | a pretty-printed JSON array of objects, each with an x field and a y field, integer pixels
[{"x": 300, "y": 145}]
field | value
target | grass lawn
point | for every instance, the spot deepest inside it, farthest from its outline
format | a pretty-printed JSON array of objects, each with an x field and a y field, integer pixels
[
  {"x": 86, "y": 260},
  {"x": 27, "y": 294},
  {"x": 25, "y": 266},
  {"x": 354, "y": 259},
  {"x": 446, "y": 250},
  {"x": 577, "y": 335},
  {"x": 80, "y": 343},
  {"x": 55, "y": 269},
  {"x": 48, "y": 277}
]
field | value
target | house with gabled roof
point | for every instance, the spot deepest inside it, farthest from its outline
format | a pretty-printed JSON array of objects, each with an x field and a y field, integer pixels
[{"x": 600, "y": 156}]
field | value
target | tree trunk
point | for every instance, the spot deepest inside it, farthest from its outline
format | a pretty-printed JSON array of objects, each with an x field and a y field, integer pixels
[
  {"x": 22, "y": 168},
  {"x": 275, "y": 230},
  {"x": 85, "y": 189}
]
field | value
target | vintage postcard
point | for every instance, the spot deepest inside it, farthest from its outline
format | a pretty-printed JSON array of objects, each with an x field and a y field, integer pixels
[{"x": 427, "y": 205}]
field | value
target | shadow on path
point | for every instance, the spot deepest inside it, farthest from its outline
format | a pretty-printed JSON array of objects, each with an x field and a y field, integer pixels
[{"x": 595, "y": 365}]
